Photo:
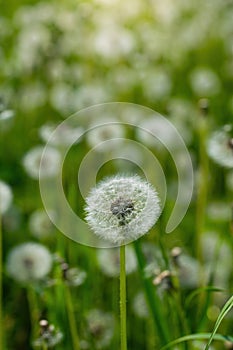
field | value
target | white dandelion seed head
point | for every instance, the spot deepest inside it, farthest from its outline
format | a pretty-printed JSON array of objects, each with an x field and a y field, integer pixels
[
  {"x": 104, "y": 131},
  {"x": 220, "y": 147},
  {"x": 6, "y": 197},
  {"x": 188, "y": 273},
  {"x": 109, "y": 261},
  {"x": 101, "y": 327},
  {"x": 121, "y": 209},
  {"x": 40, "y": 224},
  {"x": 140, "y": 306},
  {"x": 29, "y": 262},
  {"x": 48, "y": 167},
  {"x": 65, "y": 134},
  {"x": 204, "y": 82},
  {"x": 150, "y": 128}
]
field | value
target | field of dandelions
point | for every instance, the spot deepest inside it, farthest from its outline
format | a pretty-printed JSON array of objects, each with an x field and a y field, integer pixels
[{"x": 57, "y": 58}]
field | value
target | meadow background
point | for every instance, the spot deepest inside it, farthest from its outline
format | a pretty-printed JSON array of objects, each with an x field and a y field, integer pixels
[{"x": 175, "y": 57}]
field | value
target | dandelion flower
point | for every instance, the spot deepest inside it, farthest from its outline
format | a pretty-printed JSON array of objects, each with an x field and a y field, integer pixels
[
  {"x": 121, "y": 209},
  {"x": 49, "y": 167},
  {"x": 29, "y": 262},
  {"x": 109, "y": 261},
  {"x": 220, "y": 147},
  {"x": 5, "y": 197}
]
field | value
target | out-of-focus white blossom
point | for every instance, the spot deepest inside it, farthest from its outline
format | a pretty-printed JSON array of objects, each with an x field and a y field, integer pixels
[
  {"x": 65, "y": 134},
  {"x": 220, "y": 146},
  {"x": 29, "y": 262},
  {"x": 6, "y": 197},
  {"x": 101, "y": 327},
  {"x": 109, "y": 261},
  {"x": 49, "y": 167},
  {"x": 204, "y": 82},
  {"x": 40, "y": 224}
]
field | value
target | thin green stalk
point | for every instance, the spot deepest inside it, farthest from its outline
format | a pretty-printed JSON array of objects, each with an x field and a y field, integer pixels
[
  {"x": 44, "y": 346},
  {"x": 71, "y": 318},
  {"x": 153, "y": 300},
  {"x": 123, "y": 299},
  {"x": 1, "y": 304},
  {"x": 202, "y": 189},
  {"x": 33, "y": 309}
]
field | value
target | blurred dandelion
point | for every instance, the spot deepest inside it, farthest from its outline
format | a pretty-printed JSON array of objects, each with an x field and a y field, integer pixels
[
  {"x": 122, "y": 208},
  {"x": 109, "y": 261},
  {"x": 48, "y": 167},
  {"x": 220, "y": 146},
  {"x": 40, "y": 224},
  {"x": 204, "y": 82},
  {"x": 6, "y": 197},
  {"x": 65, "y": 134},
  {"x": 101, "y": 327},
  {"x": 29, "y": 262},
  {"x": 103, "y": 130},
  {"x": 140, "y": 306}
]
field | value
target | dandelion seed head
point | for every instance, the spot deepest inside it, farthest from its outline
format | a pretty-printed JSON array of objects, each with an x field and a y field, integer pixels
[
  {"x": 29, "y": 262},
  {"x": 40, "y": 224},
  {"x": 104, "y": 131},
  {"x": 109, "y": 261},
  {"x": 220, "y": 147},
  {"x": 65, "y": 134},
  {"x": 121, "y": 209},
  {"x": 6, "y": 197},
  {"x": 45, "y": 167},
  {"x": 140, "y": 307},
  {"x": 101, "y": 327}
]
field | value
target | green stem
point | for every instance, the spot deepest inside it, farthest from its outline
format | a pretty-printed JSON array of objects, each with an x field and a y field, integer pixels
[
  {"x": 34, "y": 312},
  {"x": 202, "y": 188},
  {"x": 123, "y": 299},
  {"x": 44, "y": 346},
  {"x": 1, "y": 303},
  {"x": 153, "y": 300},
  {"x": 71, "y": 318}
]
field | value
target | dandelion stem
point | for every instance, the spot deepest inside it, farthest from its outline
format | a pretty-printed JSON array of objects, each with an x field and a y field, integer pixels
[
  {"x": 202, "y": 188},
  {"x": 123, "y": 299},
  {"x": 1, "y": 303},
  {"x": 33, "y": 308},
  {"x": 72, "y": 321},
  {"x": 44, "y": 346}
]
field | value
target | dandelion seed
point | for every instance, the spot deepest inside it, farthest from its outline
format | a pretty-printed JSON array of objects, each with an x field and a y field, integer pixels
[
  {"x": 109, "y": 261},
  {"x": 29, "y": 262},
  {"x": 6, "y": 197},
  {"x": 49, "y": 166},
  {"x": 220, "y": 147},
  {"x": 122, "y": 208}
]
